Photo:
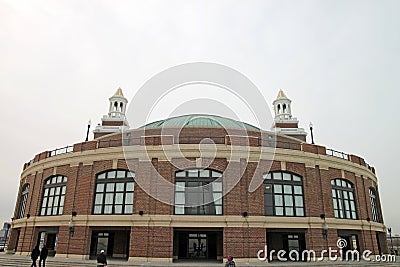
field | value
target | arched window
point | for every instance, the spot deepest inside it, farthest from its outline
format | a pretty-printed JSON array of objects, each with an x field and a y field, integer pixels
[
  {"x": 283, "y": 194},
  {"x": 284, "y": 108},
  {"x": 54, "y": 195},
  {"x": 374, "y": 205},
  {"x": 343, "y": 199},
  {"x": 198, "y": 192},
  {"x": 22, "y": 201},
  {"x": 114, "y": 192}
]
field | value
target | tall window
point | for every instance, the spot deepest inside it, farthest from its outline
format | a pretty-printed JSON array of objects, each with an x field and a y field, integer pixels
[
  {"x": 198, "y": 192},
  {"x": 22, "y": 201},
  {"x": 374, "y": 205},
  {"x": 114, "y": 192},
  {"x": 54, "y": 195},
  {"x": 283, "y": 194},
  {"x": 343, "y": 199}
]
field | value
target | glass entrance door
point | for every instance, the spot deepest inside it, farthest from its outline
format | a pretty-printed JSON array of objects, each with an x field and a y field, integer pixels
[{"x": 197, "y": 248}]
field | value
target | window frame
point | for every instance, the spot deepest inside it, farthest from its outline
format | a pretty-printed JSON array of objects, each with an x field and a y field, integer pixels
[
  {"x": 373, "y": 198},
  {"x": 59, "y": 185},
  {"x": 212, "y": 178},
  {"x": 110, "y": 191},
  {"x": 343, "y": 191},
  {"x": 275, "y": 179},
  {"x": 23, "y": 200}
]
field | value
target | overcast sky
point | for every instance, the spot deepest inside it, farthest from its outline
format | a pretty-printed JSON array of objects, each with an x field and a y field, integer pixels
[{"x": 337, "y": 60}]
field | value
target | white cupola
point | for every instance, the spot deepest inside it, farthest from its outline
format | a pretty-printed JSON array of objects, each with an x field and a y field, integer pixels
[
  {"x": 284, "y": 122},
  {"x": 115, "y": 121},
  {"x": 282, "y": 106}
]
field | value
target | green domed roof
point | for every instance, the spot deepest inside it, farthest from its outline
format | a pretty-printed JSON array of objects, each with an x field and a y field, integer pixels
[{"x": 201, "y": 120}]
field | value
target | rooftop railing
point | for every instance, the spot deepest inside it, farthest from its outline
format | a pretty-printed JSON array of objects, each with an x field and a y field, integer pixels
[{"x": 159, "y": 140}]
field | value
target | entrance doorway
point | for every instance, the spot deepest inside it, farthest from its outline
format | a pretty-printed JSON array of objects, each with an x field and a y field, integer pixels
[
  {"x": 115, "y": 243},
  {"x": 48, "y": 238},
  {"x": 198, "y": 244},
  {"x": 287, "y": 241}
]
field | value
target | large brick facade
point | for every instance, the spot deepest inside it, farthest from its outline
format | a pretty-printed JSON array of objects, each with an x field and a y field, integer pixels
[{"x": 243, "y": 228}]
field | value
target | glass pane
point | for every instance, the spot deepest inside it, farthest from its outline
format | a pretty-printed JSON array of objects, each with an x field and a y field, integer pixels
[
  {"x": 278, "y": 200},
  {"x": 277, "y": 188},
  {"x": 119, "y": 198},
  {"x": 288, "y": 201},
  {"x": 279, "y": 211},
  {"x": 109, "y": 198},
  {"x": 215, "y": 174},
  {"x": 62, "y": 200},
  {"x": 179, "y": 198},
  {"x": 180, "y": 186},
  {"x": 286, "y": 176},
  {"x": 63, "y": 190},
  {"x": 217, "y": 186},
  {"x": 193, "y": 173},
  {"x": 179, "y": 210},
  {"x": 99, "y": 199},
  {"x": 204, "y": 173},
  {"x": 65, "y": 179},
  {"x": 54, "y": 180},
  {"x": 111, "y": 175},
  {"x": 130, "y": 174},
  {"x": 333, "y": 193},
  {"x": 218, "y": 210},
  {"x": 332, "y": 182},
  {"x": 269, "y": 211},
  {"x": 345, "y": 195},
  {"x": 107, "y": 209},
  {"x": 52, "y": 191},
  {"x": 101, "y": 176},
  {"x": 50, "y": 201},
  {"x": 335, "y": 204},
  {"x": 267, "y": 176},
  {"x": 351, "y": 196},
  {"x": 289, "y": 211},
  {"x": 180, "y": 174},
  {"x": 60, "y": 210},
  {"x": 118, "y": 209},
  {"x": 54, "y": 211},
  {"x": 268, "y": 188},
  {"x": 100, "y": 188},
  {"x": 287, "y": 189},
  {"x": 297, "y": 190},
  {"x": 128, "y": 209},
  {"x": 298, "y": 200},
  {"x": 277, "y": 175},
  {"x": 217, "y": 198},
  {"x": 296, "y": 178},
  {"x": 129, "y": 198},
  {"x": 59, "y": 179},
  {"x": 299, "y": 212},
  {"x": 43, "y": 211},
  {"x": 97, "y": 209},
  {"x": 58, "y": 190},
  {"x": 352, "y": 206},
  {"x": 354, "y": 216},
  {"x": 56, "y": 201},
  {"x": 121, "y": 174},
  {"x": 46, "y": 192},
  {"x": 119, "y": 187},
  {"x": 110, "y": 187},
  {"x": 44, "y": 202},
  {"x": 336, "y": 214},
  {"x": 130, "y": 186}
]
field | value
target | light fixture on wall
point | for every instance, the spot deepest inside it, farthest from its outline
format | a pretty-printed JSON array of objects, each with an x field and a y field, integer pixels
[{"x": 71, "y": 227}]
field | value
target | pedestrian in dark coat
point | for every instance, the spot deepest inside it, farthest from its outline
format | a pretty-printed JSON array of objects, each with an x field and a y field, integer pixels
[
  {"x": 101, "y": 259},
  {"x": 35, "y": 255},
  {"x": 43, "y": 256}
]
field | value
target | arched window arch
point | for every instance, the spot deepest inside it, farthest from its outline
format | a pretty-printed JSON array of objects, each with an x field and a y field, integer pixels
[
  {"x": 198, "y": 192},
  {"x": 114, "y": 192},
  {"x": 115, "y": 106},
  {"x": 283, "y": 194},
  {"x": 343, "y": 199},
  {"x": 284, "y": 108},
  {"x": 53, "y": 195},
  {"x": 374, "y": 204},
  {"x": 22, "y": 201}
]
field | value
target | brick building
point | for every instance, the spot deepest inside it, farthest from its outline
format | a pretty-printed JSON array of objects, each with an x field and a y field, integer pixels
[{"x": 196, "y": 187}]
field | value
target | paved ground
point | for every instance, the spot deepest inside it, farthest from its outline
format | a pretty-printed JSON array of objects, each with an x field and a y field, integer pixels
[{"x": 22, "y": 261}]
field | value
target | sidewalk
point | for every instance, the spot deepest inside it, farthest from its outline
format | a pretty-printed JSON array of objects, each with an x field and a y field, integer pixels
[{"x": 22, "y": 261}]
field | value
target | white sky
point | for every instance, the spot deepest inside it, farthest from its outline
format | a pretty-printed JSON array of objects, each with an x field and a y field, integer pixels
[{"x": 337, "y": 60}]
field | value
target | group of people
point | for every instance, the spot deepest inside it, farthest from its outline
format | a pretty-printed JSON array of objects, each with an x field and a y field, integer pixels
[{"x": 42, "y": 254}]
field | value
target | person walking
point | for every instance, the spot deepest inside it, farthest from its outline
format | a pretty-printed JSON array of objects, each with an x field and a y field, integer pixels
[
  {"x": 230, "y": 262},
  {"x": 35, "y": 255},
  {"x": 43, "y": 256},
  {"x": 101, "y": 259}
]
